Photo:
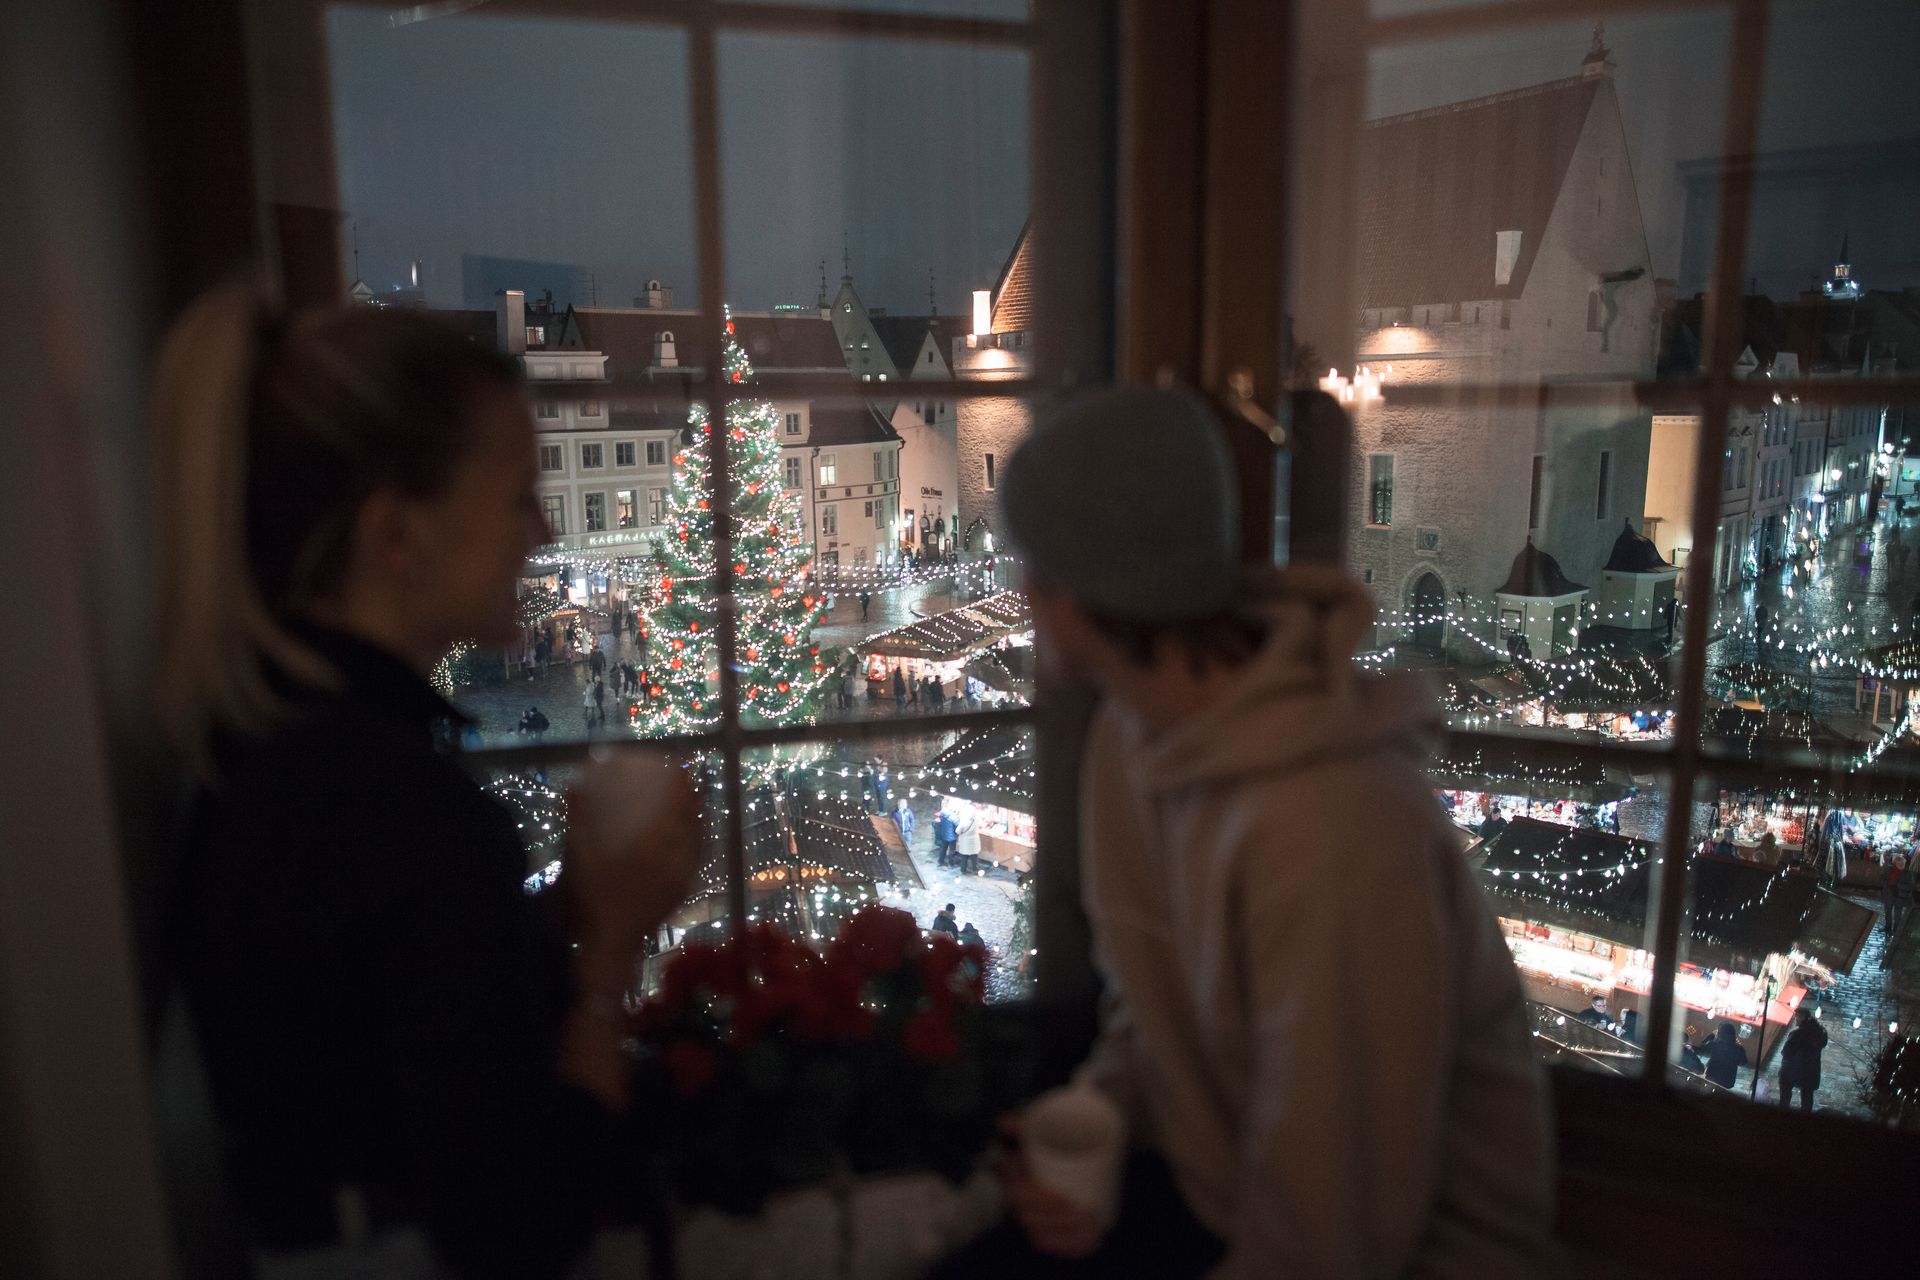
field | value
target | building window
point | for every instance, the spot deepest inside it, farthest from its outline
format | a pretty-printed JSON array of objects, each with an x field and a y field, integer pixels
[
  {"x": 656, "y": 506},
  {"x": 1534, "y": 490},
  {"x": 1453, "y": 313},
  {"x": 879, "y": 465},
  {"x": 589, "y": 408},
  {"x": 829, "y": 472},
  {"x": 1603, "y": 492},
  {"x": 554, "y": 507},
  {"x": 596, "y": 507},
  {"x": 592, "y": 456},
  {"x": 546, "y": 410},
  {"x": 893, "y": 464},
  {"x": 623, "y": 453},
  {"x": 880, "y": 514},
  {"x": 626, "y": 508},
  {"x": 793, "y": 424},
  {"x": 1593, "y": 311},
  {"x": 1380, "y": 488},
  {"x": 536, "y": 336},
  {"x": 1506, "y": 315},
  {"x": 869, "y": 510},
  {"x": 830, "y": 520},
  {"x": 989, "y": 473},
  {"x": 932, "y": 412},
  {"x": 656, "y": 453},
  {"x": 793, "y": 473},
  {"x": 553, "y": 458}
]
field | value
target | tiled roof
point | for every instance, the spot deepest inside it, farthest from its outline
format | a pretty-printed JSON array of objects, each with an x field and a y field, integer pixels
[
  {"x": 857, "y": 424},
  {"x": 784, "y": 342},
  {"x": 1436, "y": 186},
  {"x": 1013, "y": 293},
  {"x": 902, "y": 336}
]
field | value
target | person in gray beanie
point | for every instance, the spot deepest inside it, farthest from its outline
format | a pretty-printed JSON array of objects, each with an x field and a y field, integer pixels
[{"x": 1312, "y": 1016}]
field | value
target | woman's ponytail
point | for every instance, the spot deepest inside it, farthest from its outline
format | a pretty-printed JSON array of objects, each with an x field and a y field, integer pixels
[{"x": 219, "y": 641}]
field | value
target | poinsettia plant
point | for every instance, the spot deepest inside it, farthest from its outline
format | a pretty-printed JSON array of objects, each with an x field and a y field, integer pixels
[{"x": 780, "y": 1067}]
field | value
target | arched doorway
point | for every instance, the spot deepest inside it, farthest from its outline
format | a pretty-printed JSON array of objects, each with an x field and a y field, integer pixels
[{"x": 1428, "y": 604}]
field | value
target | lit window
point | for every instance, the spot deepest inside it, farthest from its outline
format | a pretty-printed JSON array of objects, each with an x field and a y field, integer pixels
[
  {"x": 989, "y": 471},
  {"x": 829, "y": 472},
  {"x": 596, "y": 506},
  {"x": 553, "y": 506},
  {"x": 656, "y": 506},
  {"x": 627, "y": 508},
  {"x": 1380, "y": 488},
  {"x": 589, "y": 408}
]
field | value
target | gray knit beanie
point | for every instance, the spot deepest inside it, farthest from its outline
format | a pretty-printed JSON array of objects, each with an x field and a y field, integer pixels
[{"x": 1124, "y": 500}]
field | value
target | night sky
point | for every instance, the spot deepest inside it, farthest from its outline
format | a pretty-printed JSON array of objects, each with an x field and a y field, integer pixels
[{"x": 567, "y": 143}]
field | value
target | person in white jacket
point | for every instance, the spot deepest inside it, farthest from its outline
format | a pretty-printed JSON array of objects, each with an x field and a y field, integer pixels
[{"x": 1311, "y": 1013}]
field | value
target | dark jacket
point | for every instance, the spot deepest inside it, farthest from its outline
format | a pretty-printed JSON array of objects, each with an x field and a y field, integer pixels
[
  {"x": 378, "y": 999},
  {"x": 945, "y": 829},
  {"x": 944, "y": 923},
  {"x": 1724, "y": 1060},
  {"x": 1800, "y": 1055}
]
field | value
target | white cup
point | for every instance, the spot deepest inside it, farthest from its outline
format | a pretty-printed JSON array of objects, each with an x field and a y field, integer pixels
[{"x": 1075, "y": 1140}]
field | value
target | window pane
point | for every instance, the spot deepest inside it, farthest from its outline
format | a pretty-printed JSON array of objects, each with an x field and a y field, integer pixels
[
  {"x": 840, "y": 803},
  {"x": 1002, "y": 10},
  {"x": 1568, "y": 859}
]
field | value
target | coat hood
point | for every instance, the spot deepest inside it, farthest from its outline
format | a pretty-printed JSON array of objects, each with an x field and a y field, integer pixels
[{"x": 1301, "y": 700}]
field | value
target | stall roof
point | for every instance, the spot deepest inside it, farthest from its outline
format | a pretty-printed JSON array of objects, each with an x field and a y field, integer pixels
[
  {"x": 837, "y": 833},
  {"x": 944, "y": 637},
  {"x": 1511, "y": 770},
  {"x": 992, "y": 766},
  {"x": 1598, "y": 883}
]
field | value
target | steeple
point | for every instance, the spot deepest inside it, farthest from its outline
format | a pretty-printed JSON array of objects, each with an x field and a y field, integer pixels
[
  {"x": 933, "y": 306},
  {"x": 1599, "y": 60},
  {"x": 1841, "y": 284},
  {"x": 846, "y": 259}
]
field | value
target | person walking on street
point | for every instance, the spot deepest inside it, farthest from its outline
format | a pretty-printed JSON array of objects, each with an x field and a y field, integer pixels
[
  {"x": 903, "y": 819},
  {"x": 946, "y": 834},
  {"x": 600, "y": 700},
  {"x": 849, "y": 682},
  {"x": 1800, "y": 1058},
  {"x": 899, "y": 690},
  {"x": 1724, "y": 1056},
  {"x": 596, "y": 663},
  {"x": 586, "y": 707},
  {"x": 944, "y": 922},
  {"x": 882, "y": 801},
  {"x": 967, "y": 841},
  {"x": 866, "y": 598}
]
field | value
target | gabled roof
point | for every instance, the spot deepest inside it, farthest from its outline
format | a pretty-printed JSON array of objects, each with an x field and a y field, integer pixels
[
  {"x": 1535, "y": 573},
  {"x": 1013, "y": 292},
  {"x": 1436, "y": 186},
  {"x": 858, "y": 424},
  {"x": 902, "y": 337}
]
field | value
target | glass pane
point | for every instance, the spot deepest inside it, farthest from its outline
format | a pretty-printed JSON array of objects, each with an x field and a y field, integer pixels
[
  {"x": 837, "y": 839},
  {"x": 1787, "y": 912},
  {"x": 1517, "y": 219},
  {"x": 1829, "y": 260},
  {"x": 1569, "y": 871},
  {"x": 538, "y": 796},
  {"x": 1000, "y": 10}
]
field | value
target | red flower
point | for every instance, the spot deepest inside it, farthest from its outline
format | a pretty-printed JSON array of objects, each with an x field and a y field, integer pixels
[
  {"x": 941, "y": 958},
  {"x": 878, "y": 937},
  {"x": 690, "y": 1067},
  {"x": 929, "y": 1037}
]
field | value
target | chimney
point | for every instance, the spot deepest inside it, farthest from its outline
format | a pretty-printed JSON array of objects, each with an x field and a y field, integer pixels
[
  {"x": 658, "y": 297},
  {"x": 1599, "y": 59},
  {"x": 510, "y": 317},
  {"x": 663, "y": 352}
]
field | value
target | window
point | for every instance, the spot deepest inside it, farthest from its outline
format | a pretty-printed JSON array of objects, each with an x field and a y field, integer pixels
[
  {"x": 656, "y": 506},
  {"x": 879, "y": 465},
  {"x": 869, "y": 510},
  {"x": 1506, "y": 314},
  {"x": 830, "y": 519},
  {"x": 1380, "y": 488},
  {"x": 553, "y": 458},
  {"x": 589, "y": 408},
  {"x": 626, "y": 508},
  {"x": 536, "y": 336},
  {"x": 623, "y": 453},
  {"x": 827, "y": 470},
  {"x": 1603, "y": 490},
  {"x": 591, "y": 456},
  {"x": 893, "y": 464},
  {"x": 932, "y": 414},
  {"x": 1535, "y": 490},
  {"x": 793, "y": 424},
  {"x": 596, "y": 509},
  {"x": 554, "y": 507},
  {"x": 793, "y": 471},
  {"x": 880, "y": 515},
  {"x": 989, "y": 473},
  {"x": 656, "y": 453},
  {"x": 546, "y": 410}
]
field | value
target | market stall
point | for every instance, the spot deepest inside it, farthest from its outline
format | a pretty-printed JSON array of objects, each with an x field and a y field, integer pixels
[
  {"x": 992, "y": 770},
  {"x": 1472, "y": 784},
  {"x": 944, "y": 644},
  {"x": 1573, "y": 906}
]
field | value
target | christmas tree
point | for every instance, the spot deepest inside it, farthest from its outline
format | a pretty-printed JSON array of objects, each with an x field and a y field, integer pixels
[{"x": 779, "y": 667}]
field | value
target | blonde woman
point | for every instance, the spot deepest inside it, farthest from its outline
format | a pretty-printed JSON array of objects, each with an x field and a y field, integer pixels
[{"x": 417, "y": 1065}]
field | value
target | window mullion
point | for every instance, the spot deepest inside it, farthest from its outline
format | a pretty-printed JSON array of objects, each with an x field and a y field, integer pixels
[
  {"x": 1722, "y": 325},
  {"x": 703, "y": 79}
]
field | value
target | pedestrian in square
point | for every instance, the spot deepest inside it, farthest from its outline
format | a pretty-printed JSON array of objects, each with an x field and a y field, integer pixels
[
  {"x": 946, "y": 834},
  {"x": 945, "y": 922},
  {"x": 596, "y": 662},
  {"x": 866, "y": 598},
  {"x": 882, "y": 800},
  {"x": 586, "y": 707},
  {"x": 1800, "y": 1058},
  {"x": 903, "y": 819},
  {"x": 849, "y": 684},
  {"x": 967, "y": 841},
  {"x": 899, "y": 690}
]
